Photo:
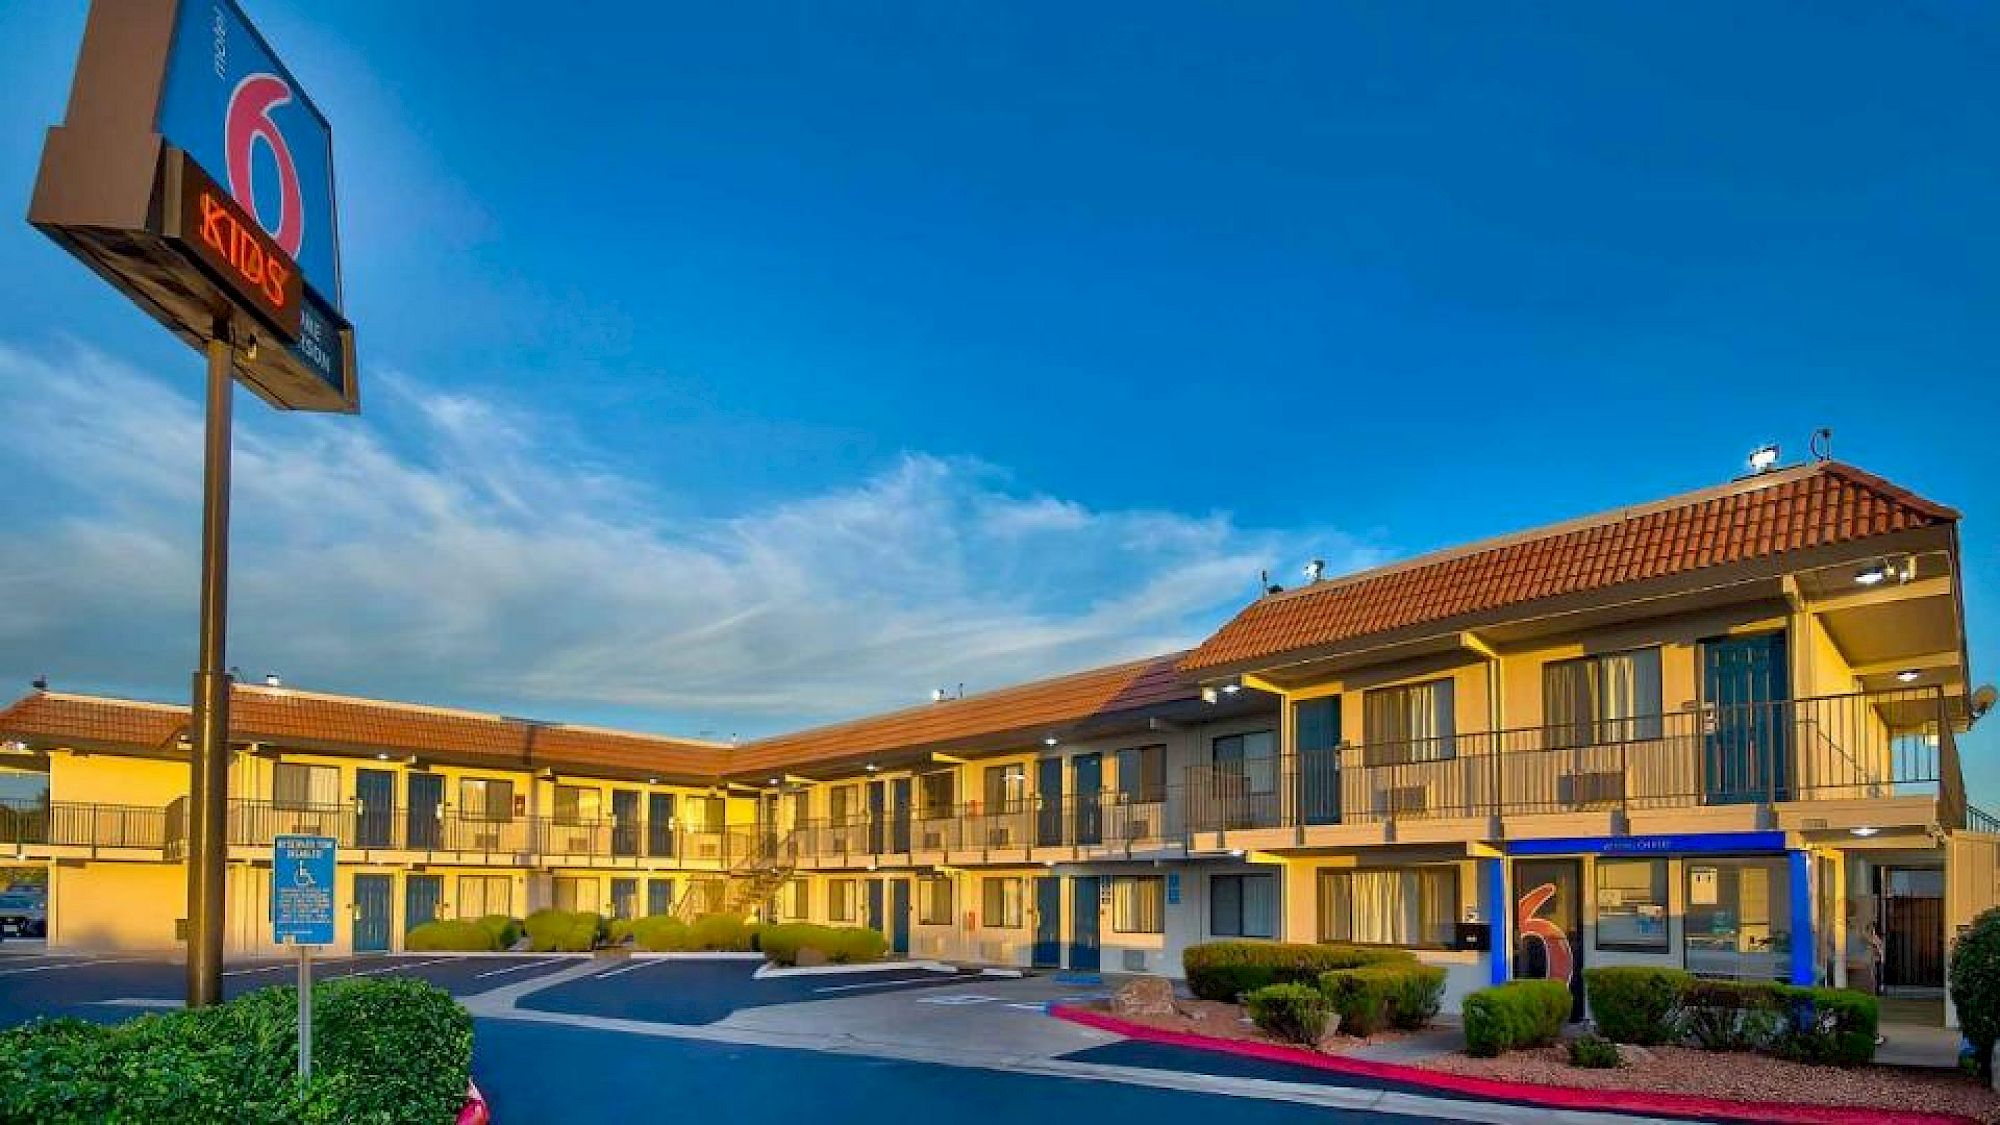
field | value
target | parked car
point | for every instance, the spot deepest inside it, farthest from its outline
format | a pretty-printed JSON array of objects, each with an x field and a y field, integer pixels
[{"x": 23, "y": 914}]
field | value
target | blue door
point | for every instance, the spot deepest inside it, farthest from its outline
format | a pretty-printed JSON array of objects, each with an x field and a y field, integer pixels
[
  {"x": 899, "y": 816},
  {"x": 1047, "y": 952},
  {"x": 1089, "y": 793},
  {"x": 878, "y": 798},
  {"x": 624, "y": 822},
  {"x": 425, "y": 822},
  {"x": 659, "y": 896},
  {"x": 371, "y": 913},
  {"x": 875, "y": 906},
  {"x": 421, "y": 894},
  {"x": 1083, "y": 924},
  {"x": 660, "y": 825},
  {"x": 375, "y": 809},
  {"x": 899, "y": 916},
  {"x": 1049, "y": 792},
  {"x": 1746, "y": 693}
]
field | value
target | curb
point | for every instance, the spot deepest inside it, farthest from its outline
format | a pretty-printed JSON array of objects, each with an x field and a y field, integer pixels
[{"x": 1556, "y": 1097}]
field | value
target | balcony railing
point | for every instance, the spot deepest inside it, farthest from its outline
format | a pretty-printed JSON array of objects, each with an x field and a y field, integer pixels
[{"x": 81, "y": 824}]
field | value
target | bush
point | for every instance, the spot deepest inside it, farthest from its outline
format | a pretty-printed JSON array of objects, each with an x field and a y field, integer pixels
[
  {"x": 1636, "y": 1005},
  {"x": 620, "y": 930},
  {"x": 565, "y": 932},
  {"x": 723, "y": 933},
  {"x": 1295, "y": 1013},
  {"x": 1225, "y": 970},
  {"x": 1833, "y": 1026},
  {"x": 464, "y": 937},
  {"x": 1727, "y": 1015},
  {"x": 1522, "y": 1013},
  {"x": 1975, "y": 986},
  {"x": 387, "y": 1051},
  {"x": 1403, "y": 995},
  {"x": 506, "y": 931},
  {"x": 1594, "y": 1052},
  {"x": 840, "y": 945},
  {"x": 663, "y": 933}
]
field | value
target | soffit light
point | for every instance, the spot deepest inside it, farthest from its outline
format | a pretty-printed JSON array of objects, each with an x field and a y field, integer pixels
[
  {"x": 1049, "y": 741},
  {"x": 1908, "y": 675},
  {"x": 1864, "y": 831},
  {"x": 1872, "y": 575}
]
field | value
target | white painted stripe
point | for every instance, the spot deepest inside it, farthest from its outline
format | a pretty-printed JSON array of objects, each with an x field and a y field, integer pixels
[
  {"x": 261, "y": 969},
  {"x": 68, "y": 965},
  {"x": 879, "y": 984},
  {"x": 621, "y": 969},
  {"x": 518, "y": 968},
  {"x": 388, "y": 969}
]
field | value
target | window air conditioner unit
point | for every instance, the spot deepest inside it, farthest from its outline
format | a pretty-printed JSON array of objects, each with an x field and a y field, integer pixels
[
  {"x": 1403, "y": 799},
  {"x": 1602, "y": 787},
  {"x": 1135, "y": 960}
]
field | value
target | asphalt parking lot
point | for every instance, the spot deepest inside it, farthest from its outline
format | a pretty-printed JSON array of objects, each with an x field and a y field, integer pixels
[{"x": 700, "y": 992}]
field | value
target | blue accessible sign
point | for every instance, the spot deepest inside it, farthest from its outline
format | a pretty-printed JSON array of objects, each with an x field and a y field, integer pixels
[{"x": 302, "y": 889}]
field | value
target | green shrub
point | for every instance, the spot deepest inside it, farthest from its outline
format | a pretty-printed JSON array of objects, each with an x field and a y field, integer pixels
[
  {"x": 840, "y": 945},
  {"x": 1522, "y": 1013},
  {"x": 1594, "y": 1052},
  {"x": 663, "y": 933},
  {"x": 1225, "y": 970},
  {"x": 855, "y": 945},
  {"x": 564, "y": 932},
  {"x": 385, "y": 1051},
  {"x": 1295, "y": 1013},
  {"x": 454, "y": 936},
  {"x": 620, "y": 929},
  {"x": 1831, "y": 1026},
  {"x": 1728, "y": 1015},
  {"x": 506, "y": 931},
  {"x": 1639, "y": 1005},
  {"x": 1975, "y": 986},
  {"x": 1400, "y": 994},
  {"x": 722, "y": 933}
]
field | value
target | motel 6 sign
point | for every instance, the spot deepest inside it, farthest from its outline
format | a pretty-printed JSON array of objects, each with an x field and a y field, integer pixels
[{"x": 193, "y": 173}]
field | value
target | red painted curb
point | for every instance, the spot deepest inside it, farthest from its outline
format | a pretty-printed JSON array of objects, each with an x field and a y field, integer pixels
[{"x": 1560, "y": 1097}]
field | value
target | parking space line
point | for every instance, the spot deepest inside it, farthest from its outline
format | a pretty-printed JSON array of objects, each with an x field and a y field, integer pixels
[
  {"x": 622, "y": 969},
  {"x": 262, "y": 969},
  {"x": 390, "y": 968},
  {"x": 518, "y": 968},
  {"x": 884, "y": 984},
  {"x": 67, "y": 965}
]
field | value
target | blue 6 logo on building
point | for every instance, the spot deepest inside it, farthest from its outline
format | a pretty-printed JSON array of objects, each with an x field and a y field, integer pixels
[{"x": 239, "y": 113}]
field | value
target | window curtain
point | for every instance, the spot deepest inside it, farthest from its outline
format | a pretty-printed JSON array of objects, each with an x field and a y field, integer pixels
[
  {"x": 1602, "y": 699},
  {"x": 1413, "y": 723},
  {"x": 1402, "y": 906}
]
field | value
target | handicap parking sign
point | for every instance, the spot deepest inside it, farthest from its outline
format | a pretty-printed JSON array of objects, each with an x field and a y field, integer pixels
[{"x": 302, "y": 889}]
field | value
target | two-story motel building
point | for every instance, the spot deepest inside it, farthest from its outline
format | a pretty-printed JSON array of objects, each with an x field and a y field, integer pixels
[{"x": 1716, "y": 731}]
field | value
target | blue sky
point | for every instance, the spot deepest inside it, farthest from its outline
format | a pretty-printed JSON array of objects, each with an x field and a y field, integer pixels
[{"x": 733, "y": 366}]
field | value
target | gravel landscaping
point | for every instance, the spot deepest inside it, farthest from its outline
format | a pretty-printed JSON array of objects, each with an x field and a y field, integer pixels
[{"x": 1743, "y": 1076}]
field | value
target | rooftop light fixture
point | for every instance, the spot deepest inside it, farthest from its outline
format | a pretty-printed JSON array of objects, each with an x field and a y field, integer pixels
[
  {"x": 1231, "y": 688},
  {"x": 272, "y": 679},
  {"x": 1049, "y": 741},
  {"x": 1908, "y": 675},
  {"x": 1764, "y": 458},
  {"x": 1873, "y": 574},
  {"x": 1864, "y": 831}
]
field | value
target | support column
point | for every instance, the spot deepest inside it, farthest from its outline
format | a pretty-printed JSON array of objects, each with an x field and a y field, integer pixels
[
  {"x": 1493, "y": 904},
  {"x": 208, "y": 781},
  {"x": 1804, "y": 947}
]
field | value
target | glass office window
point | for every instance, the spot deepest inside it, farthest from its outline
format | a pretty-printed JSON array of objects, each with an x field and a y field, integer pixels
[
  {"x": 1632, "y": 905},
  {"x": 1738, "y": 917}
]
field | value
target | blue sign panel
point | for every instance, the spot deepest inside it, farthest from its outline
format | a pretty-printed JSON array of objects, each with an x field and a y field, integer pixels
[
  {"x": 1679, "y": 843},
  {"x": 1173, "y": 888},
  {"x": 232, "y": 106},
  {"x": 302, "y": 889}
]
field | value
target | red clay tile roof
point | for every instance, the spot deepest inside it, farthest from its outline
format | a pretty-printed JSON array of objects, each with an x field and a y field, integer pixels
[
  {"x": 1812, "y": 506},
  {"x": 1027, "y": 711},
  {"x": 309, "y": 720}
]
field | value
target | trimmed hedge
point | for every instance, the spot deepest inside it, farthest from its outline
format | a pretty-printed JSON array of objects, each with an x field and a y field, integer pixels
[
  {"x": 724, "y": 933},
  {"x": 839, "y": 945},
  {"x": 1730, "y": 1015},
  {"x": 1402, "y": 995},
  {"x": 1634, "y": 1004},
  {"x": 561, "y": 931},
  {"x": 1296, "y": 1013},
  {"x": 462, "y": 937},
  {"x": 506, "y": 931},
  {"x": 384, "y": 1051},
  {"x": 1834, "y": 1026},
  {"x": 663, "y": 933},
  {"x": 1225, "y": 970},
  {"x": 1522, "y": 1013},
  {"x": 1975, "y": 986}
]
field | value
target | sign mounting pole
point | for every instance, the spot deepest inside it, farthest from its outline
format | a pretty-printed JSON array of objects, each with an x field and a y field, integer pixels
[{"x": 208, "y": 794}]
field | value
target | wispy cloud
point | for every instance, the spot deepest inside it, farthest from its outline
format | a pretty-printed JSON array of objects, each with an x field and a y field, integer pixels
[{"x": 469, "y": 555}]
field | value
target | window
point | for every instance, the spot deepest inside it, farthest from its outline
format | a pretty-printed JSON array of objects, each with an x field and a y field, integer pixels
[
  {"x": 1001, "y": 908},
  {"x": 1409, "y": 906},
  {"x": 1738, "y": 918},
  {"x": 1142, "y": 774},
  {"x": 659, "y": 896},
  {"x": 1243, "y": 905},
  {"x": 1139, "y": 904},
  {"x": 1597, "y": 700},
  {"x": 1006, "y": 788},
  {"x": 482, "y": 798},
  {"x": 938, "y": 792},
  {"x": 294, "y": 786},
  {"x": 798, "y": 900},
  {"x": 480, "y": 895},
  {"x": 576, "y": 894},
  {"x": 1410, "y": 723},
  {"x": 1252, "y": 757},
  {"x": 576, "y": 804},
  {"x": 624, "y": 898},
  {"x": 934, "y": 902},
  {"x": 1316, "y": 735},
  {"x": 841, "y": 805},
  {"x": 1632, "y": 904},
  {"x": 843, "y": 898}
]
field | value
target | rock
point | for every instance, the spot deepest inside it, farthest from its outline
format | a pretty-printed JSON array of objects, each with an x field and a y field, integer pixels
[
  {"x": 1330, "y": 1041},
  {"x": 1144, "y": 996},
  {"x": 810, "y": 958}
]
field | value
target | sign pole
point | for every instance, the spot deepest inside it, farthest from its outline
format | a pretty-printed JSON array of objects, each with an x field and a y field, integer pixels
[
  {"x": 305, "y": 1012},
  {"x": 208, "y": 790}
]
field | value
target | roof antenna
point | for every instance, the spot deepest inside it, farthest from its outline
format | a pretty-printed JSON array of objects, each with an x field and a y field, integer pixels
[
  {"x": 1270, "y": 587},
  {"x": 1822, "y": 444},
  {"x": 41, "y": 682}
]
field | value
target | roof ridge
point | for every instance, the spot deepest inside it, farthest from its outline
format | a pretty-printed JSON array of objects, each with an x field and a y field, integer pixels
[
  {"x": 118, "y": 700},
  {"x": 441, "y": 711}
]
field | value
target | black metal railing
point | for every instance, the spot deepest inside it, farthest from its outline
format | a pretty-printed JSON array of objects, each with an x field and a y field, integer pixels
[
  {"x": 82, "y": 824},
  {"x": 1979, "y": 820}
]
